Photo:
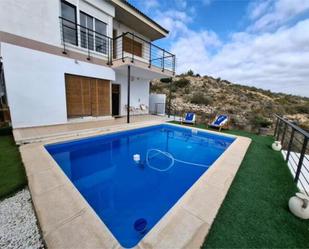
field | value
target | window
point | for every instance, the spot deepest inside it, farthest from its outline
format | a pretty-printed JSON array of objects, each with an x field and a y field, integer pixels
[
  {"x": 86, "y": 31},
  {"x": 69, "y": 27},
  {"x": 92, "y": 32},
  {"x": 132, "y": 47},
  {"x": 100, "y": 39}
]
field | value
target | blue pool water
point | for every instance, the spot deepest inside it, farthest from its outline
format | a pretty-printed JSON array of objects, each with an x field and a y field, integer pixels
[{"x": 131, "y": 197}]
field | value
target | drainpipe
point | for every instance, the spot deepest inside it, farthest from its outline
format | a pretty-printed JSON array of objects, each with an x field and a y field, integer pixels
[{"x": 128, "y": 102}]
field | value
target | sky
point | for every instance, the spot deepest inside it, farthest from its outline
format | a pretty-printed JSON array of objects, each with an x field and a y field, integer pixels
[{"x": 261, "y": 43}]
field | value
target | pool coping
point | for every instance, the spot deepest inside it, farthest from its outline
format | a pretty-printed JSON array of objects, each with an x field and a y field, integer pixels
[{"x": 68, "y": 221}]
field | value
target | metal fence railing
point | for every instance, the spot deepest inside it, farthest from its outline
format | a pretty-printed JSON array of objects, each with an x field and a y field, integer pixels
[
  {"x": 89, "y": 40},
  {"x": 126, "y": 45},
  {"x": 295, "y": 148},
  {"x": 129, "y": 45}
]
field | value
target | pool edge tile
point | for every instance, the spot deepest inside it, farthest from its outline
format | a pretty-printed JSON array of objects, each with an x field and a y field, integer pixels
[
  {"x": 172, "y": 226},
  {"x": 57, "y": 236},
  {"x": 88, "y": 232}
]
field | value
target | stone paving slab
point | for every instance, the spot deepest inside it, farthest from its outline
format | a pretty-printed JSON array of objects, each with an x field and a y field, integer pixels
[{"x": 46, "y": 133}]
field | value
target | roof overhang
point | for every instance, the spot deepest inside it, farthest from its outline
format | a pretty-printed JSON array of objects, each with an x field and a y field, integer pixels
[{"x": 135, "y": 19}]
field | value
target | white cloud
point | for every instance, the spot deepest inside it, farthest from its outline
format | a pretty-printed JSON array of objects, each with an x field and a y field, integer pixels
[
  {"x": 182, "y": 4},
  {"x": 150, "y": 4},
  {"x": 277, "y": 61},
  {"x": 270, "y": 14},
  {"x": 192, "y": 49},
  {"x": 175, "y": 21},
  {"x": 258, "y": 8},
  {"x": 268, "y": 54}
]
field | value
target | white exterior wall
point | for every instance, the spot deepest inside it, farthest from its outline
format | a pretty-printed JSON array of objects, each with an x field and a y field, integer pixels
[
  {"x": 34, "y": 19},
  {"x": 39, "y": 19},
  {"x": 139, "y": 92},
  {"x": 36, "y": 85}
]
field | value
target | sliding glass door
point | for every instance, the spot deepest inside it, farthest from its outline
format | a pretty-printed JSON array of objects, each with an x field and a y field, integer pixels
[
  {"x": 86, "y": 31},
  {"x": 68, "y": 14}
]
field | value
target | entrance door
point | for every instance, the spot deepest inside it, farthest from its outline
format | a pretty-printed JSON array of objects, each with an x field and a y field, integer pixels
[
  {"x": 87, "y": 96},
  {"x": 115, "y": 99}
]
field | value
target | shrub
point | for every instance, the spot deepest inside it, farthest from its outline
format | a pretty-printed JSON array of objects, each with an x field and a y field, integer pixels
[
  {"x": 221, "y": 97},
  {"x": 302, "y": 109},
  {"x": 260, "y": 121},
  {"x": 200, "y": 99},
  {"x": 5, "y": 131},
  {"x": 190, "y": 73},
  {"x": 187, "y": 90},
  {"x": 183, "y": 82},
  {"x": 166, "y": 80},
  {"x": 156, "y": 88},
  {"x": 173, "y": 88}
]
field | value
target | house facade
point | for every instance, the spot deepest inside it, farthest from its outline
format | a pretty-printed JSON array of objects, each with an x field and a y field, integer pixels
[{"x": 66, "y": 60}]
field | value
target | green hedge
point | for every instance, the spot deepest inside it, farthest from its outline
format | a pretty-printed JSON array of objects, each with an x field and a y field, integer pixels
[{"x": 6, "y": 131}]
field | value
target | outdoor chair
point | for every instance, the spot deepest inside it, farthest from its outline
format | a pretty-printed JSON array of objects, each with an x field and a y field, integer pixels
[
  {"x": 143, "y": 108},
  {"x": 220, "y": 121},
  {"x": 189, "y": 118}
]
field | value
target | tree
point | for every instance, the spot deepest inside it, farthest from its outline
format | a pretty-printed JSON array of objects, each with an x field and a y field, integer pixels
[{"x": 190, "y": 73}]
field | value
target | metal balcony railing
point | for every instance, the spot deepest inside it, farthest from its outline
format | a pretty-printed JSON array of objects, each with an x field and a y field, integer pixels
[
  {"x": 89, "y": 40},
  {"x": 127, "y": 45},
  {"x": 295, "y": 147}
]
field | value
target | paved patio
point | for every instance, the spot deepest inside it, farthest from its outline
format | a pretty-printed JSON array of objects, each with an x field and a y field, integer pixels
[{"x": 43, "y": 133}]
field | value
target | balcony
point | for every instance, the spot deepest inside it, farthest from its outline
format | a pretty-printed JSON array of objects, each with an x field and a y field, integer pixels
[
  {"x": 124, "y": 49},
  {"x": 129, "y": 46}
]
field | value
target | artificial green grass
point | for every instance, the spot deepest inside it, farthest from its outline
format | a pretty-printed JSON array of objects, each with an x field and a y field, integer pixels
[
  {"x": 12, "y": 173},
  {"x": 255, "y": 211}
]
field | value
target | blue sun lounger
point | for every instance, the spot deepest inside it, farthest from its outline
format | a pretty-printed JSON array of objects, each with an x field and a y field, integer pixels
[
  {"x": 220, "y": 121},
  {"x": 189, "y": 118}
]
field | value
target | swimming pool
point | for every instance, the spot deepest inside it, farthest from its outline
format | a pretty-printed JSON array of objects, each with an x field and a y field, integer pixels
[{"x": 131, "y": 195}]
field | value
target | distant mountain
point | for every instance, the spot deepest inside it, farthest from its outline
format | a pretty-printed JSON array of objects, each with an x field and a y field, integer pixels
[{"x": 249, "y": 107}]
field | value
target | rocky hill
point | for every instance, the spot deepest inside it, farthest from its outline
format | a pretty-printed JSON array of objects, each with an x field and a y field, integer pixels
[{"x": 249, "y": 107}]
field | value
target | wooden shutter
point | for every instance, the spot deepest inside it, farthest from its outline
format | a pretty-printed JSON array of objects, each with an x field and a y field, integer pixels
[
  {"x": 100, "y": 91},
  {"x": 73, "y": 96},
  {"x": 129, "y": 44},
  {"x": 87, "y": 96},
  {"x": 105, "y": 92}
]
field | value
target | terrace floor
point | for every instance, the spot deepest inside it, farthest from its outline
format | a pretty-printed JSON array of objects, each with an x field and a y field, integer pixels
[{"x": 34, "y": 134}]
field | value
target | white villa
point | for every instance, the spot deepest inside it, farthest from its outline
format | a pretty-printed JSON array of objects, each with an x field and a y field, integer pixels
[{"x": 64, "y": 60}]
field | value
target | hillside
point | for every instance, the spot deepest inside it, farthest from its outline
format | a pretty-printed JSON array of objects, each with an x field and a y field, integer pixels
[{"x": 248, "y": 107}]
